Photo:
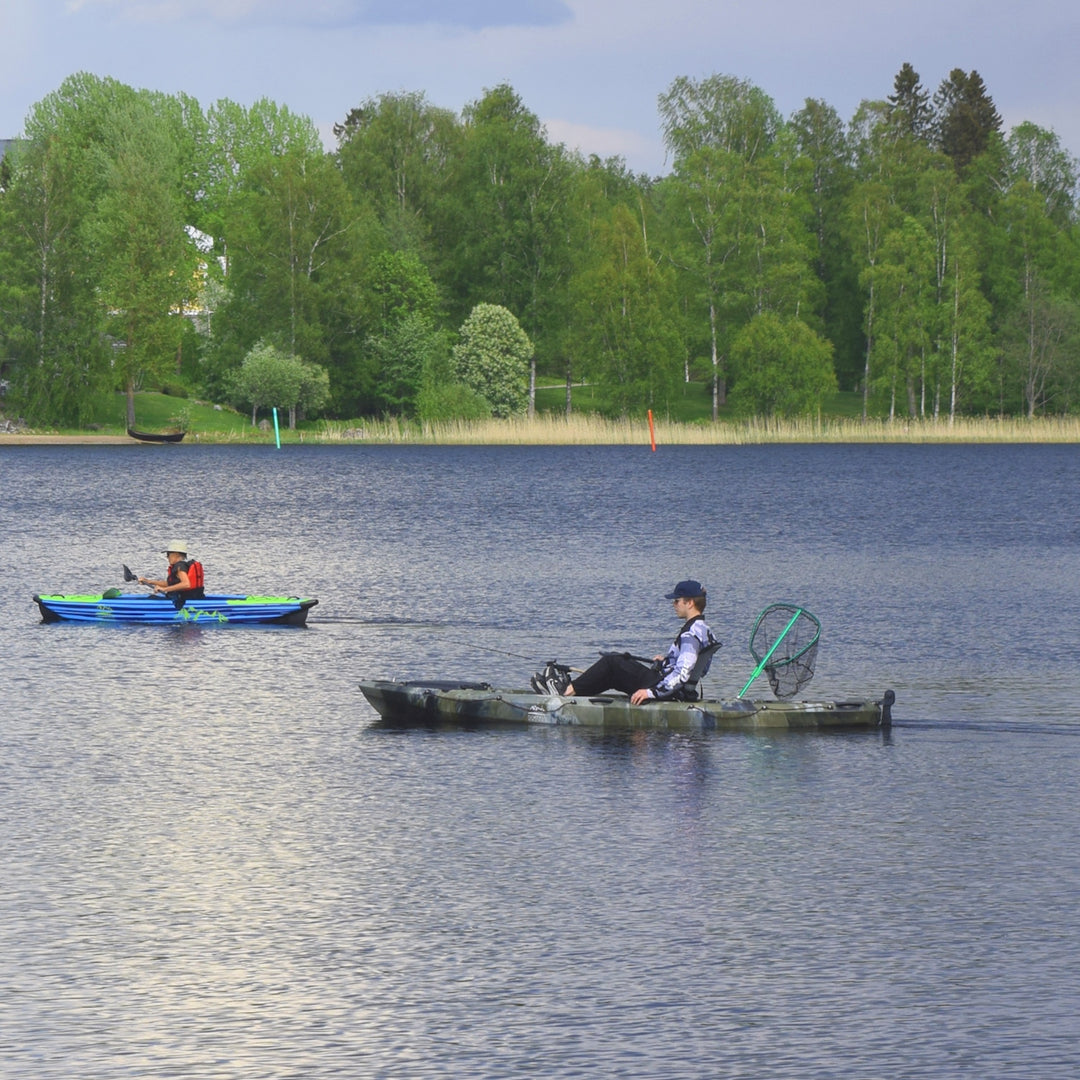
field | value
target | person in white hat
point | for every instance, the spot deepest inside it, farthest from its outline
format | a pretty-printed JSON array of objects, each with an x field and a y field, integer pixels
[{"x": 184, "y": 580}]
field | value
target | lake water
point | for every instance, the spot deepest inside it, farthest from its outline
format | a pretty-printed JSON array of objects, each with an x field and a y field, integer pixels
[{"x": 217, "y": 863}]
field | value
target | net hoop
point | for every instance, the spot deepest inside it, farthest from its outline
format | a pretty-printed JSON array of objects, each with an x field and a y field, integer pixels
[
  {"x": 781, "y": 657},
  {"x": 784, "y": 642}
]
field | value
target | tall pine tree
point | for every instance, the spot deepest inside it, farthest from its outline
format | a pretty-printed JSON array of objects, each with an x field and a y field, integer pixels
[
  {"x": 910, "y": 111},
  {"x": 966, "y": 118}
]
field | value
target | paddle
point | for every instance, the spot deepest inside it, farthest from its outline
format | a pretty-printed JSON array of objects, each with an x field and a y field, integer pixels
[
  {"x": 129, "y": 576},
  {"x": 791, "y": 669}
]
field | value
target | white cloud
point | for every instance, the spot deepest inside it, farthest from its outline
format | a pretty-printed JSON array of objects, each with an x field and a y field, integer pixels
[
  {"x": 604, "y": 142},
  {"x": 466, "y": 14}
]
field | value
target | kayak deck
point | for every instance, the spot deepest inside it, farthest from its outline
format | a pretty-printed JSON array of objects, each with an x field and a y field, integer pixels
[
  {"x": 448, "y": 702},
  {"x": 142, "y": 608}
]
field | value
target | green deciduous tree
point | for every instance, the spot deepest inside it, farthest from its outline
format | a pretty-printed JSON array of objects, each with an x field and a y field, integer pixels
[
  {"x": 492, "y": 358},
  {"x": 721, "y": 112},
  {"x": 503, "y": 218},
  {"x": 1034, "y": 293},
  {"x": 296, "y": 246},
  {"x": 717, "y": 129},
  {"x": 822, "y": 139},
  {"x": 390, "y": 288},
  {"x": 904, "y": 311},
  {"x": 408, "y": 355},
  {"x": 56, "y": 358},
  {"x": 286, "y": 238},
  {"x": 268, "y": 378},
  {"x": 272, "y": 378},
  {"x": 97, "y": 211},
  {"x": 1036, "y": 155},
  {"x": 627, "y": 323},
  {"x": 395, "y": 152},
  {"x": 596, "y": 189},
  {"x": 146, "y": 260},
  {"x": 781, "y": 367}
]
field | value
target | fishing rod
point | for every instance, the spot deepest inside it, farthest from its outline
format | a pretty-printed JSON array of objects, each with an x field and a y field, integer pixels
[
  {"x": 390, "y": 620},
  {"x": 450, "y": 641},
  {"x": 504, "y": 652}
]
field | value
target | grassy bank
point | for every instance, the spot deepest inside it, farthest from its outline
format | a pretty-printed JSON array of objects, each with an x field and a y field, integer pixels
[{"x": 839, "y": 423}]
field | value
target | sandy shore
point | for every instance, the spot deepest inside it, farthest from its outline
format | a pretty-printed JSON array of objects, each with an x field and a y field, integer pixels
[{"x": 66, "y": 440}]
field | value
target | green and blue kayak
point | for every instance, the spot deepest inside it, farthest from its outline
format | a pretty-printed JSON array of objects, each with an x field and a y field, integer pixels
[
  {"x": 211, "y": 610},
  {"x": 438, "y": 702}
]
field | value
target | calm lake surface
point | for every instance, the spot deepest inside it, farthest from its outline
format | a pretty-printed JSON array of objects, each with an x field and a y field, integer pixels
[{"x": 217, "y": 863}]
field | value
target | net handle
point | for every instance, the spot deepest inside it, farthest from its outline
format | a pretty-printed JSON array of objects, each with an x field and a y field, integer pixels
[{"x": 765, "y": 659}]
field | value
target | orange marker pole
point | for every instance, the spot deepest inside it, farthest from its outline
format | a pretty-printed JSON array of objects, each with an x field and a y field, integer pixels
[{"x": 652, "y": 432}]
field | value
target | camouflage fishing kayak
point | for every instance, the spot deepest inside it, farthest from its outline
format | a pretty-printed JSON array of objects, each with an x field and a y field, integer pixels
[{"x": 449, "y": 702}]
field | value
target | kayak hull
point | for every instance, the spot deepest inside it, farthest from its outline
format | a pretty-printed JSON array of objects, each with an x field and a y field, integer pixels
[
  {"x": 212, "y": 610},
  {"x": 448, "y": 702}
]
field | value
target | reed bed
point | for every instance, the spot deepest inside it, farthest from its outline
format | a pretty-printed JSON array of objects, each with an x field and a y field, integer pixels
[{"x": 589, "y": 429}]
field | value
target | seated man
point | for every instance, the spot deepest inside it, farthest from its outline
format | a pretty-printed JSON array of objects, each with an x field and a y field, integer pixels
[{"x": 669, "y": 675}]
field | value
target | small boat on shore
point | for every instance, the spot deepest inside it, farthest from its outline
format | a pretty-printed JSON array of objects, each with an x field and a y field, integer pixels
[
  {"x": 211, "y": 610},
  {"x": 154, "y": 437},
  {"x": 435, "y": 702}
]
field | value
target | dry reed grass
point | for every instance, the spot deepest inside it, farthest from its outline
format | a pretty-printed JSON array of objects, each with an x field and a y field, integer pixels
[{"x": 589, "y": 429}]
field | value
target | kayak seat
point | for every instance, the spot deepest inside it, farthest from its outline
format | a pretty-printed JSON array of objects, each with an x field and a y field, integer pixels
[{"x": 691, "y": 691}]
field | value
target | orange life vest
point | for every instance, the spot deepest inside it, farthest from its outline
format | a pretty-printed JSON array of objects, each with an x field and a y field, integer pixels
[
  {"x": 195, "y": 574},
  {"x": 194, "y": 571}
]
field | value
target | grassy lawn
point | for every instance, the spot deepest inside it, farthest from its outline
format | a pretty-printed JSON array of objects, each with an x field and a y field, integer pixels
[{"x": 156, "y": 412}]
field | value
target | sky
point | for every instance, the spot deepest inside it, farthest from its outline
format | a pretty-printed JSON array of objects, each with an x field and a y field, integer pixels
[{"x": 591, "y": 70}]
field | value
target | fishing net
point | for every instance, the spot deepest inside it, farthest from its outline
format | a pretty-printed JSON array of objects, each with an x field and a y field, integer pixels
[{"x": 785, "y": 641}]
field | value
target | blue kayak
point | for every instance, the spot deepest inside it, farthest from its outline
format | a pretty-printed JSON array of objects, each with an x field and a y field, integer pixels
[{"x": 211, "y": 610}]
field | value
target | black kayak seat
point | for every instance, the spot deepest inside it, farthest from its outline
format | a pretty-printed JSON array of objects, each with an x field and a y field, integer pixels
[{"x": 690, "y": 691}]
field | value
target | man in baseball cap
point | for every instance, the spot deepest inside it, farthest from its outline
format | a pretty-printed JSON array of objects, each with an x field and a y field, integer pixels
[
  {"x": 687, "y": 590},
  {"x": 673, "y": 675}
]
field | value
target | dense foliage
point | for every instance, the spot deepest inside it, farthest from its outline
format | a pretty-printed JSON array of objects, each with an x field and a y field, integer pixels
[{"x": 433, "y": 262}]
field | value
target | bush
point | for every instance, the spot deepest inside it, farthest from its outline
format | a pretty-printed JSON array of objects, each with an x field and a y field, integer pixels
[{"x": 451, "y": 401}]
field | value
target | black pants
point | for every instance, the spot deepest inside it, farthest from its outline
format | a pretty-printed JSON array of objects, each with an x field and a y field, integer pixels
[
  {"x": 180, "y": 597},
  {"x": 613, "y": 671}
]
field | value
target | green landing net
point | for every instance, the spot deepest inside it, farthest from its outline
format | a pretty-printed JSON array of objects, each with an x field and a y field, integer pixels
[{"x": 784, "y": 642}]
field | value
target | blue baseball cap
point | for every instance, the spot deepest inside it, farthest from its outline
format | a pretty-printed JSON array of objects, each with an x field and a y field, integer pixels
[{"x": 686, "y": 590}]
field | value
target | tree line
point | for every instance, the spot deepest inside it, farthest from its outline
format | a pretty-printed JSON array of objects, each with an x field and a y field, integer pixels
[{"x": 434, "y": 264}]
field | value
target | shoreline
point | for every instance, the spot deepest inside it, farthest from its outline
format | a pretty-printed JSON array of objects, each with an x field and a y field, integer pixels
[
  {"x": 590, "y": 430},
  {"x": 9, "y": 439}
]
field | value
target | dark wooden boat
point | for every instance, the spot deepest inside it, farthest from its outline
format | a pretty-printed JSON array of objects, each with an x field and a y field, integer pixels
[{"x": 151, "y": 436}]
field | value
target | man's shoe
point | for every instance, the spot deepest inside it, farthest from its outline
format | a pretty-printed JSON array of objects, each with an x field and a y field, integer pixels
[{"x": 554, "y": 679}]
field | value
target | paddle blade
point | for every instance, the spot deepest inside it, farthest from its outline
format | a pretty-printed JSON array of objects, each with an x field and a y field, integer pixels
[
  {"x": 784, "y": 641},
  {"x": 129, "y": 576}
]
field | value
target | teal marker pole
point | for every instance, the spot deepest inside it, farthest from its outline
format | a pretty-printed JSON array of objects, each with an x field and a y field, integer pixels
[{"x": 277, "y": 432}]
